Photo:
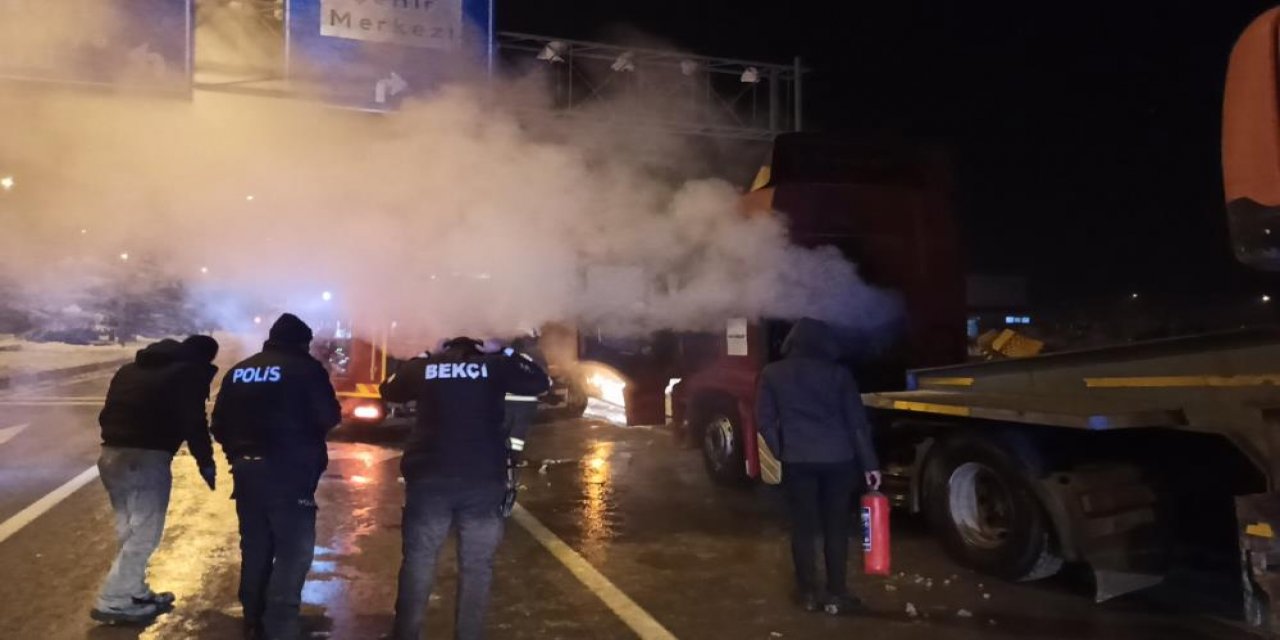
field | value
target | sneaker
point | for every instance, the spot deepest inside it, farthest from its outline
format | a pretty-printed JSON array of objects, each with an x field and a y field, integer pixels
[
  {"x": 842, "y": 606},
  {"x": 808, "y": 601},
  {"x": 164, "y": 599},
  {"x": 132, "y": 614}
]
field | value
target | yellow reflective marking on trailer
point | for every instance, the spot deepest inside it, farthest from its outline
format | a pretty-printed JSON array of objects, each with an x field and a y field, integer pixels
[
  {"x": 930, "y": 407},
  {"x": 947, "y": 382},
  {"x": 363, "y": 390},
  {"x": 1150, "y": 382},
  {"x": 1260, "y": 530}
]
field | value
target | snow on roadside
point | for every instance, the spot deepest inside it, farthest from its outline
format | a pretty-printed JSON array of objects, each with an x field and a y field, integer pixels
[{"x": 20, "y": 357}]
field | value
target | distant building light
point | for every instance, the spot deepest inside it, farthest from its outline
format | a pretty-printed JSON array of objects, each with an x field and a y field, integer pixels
[
  {"x": 1133, "y": 296},
  {"x": 1017, "y": 319},
  {"x": 1266, "y": 298}
]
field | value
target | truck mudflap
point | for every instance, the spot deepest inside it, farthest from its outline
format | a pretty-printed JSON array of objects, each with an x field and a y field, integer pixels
[
  {"x": 1109, "y": 516},
  {"x": 1258, "y": 517}
]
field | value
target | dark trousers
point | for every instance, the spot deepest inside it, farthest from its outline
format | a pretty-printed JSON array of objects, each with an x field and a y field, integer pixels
[
  {"x": 820, "y": 497},
  {"x": 431, "y": 509},
  {"x": 277, "y": 543}
]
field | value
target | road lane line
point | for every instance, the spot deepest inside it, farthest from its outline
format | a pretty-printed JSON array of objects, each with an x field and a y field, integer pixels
[
  {"x": 39, "y": 507},
  {"x": 643, "y": 624},
  {"x": 8, "y": 433}
]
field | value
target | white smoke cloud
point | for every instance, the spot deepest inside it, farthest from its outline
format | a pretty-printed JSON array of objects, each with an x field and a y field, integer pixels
[{"x": 452, "y": 215}]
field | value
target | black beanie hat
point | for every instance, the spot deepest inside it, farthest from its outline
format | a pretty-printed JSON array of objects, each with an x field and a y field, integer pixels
[
  {"x": 289, "y": 329},
  {"x": 201, "y": 348}
]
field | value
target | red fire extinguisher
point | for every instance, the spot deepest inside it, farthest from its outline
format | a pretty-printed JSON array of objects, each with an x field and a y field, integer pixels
[{"x": 875, "y": 534}]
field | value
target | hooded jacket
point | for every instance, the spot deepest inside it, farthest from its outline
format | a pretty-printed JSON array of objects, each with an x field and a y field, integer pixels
[
  {"x": 808, "y": 408},
  {"x": 279, "y": 405},
  {"x": 158, "y": 401},
  {"x": 459, "y": 434}
]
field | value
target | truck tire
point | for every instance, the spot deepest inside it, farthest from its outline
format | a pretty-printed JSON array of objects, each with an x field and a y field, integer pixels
[
  {"x": 980, "y": 502},
  {"x": 719, "y": 430}
]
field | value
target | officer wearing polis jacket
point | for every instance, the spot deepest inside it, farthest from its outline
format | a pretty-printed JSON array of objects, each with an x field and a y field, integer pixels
[{"x": 271, "y": 418}]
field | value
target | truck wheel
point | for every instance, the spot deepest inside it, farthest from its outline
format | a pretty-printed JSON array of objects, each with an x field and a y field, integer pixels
[
  {"x": 981, "y": 503},
  {"x": 722, "y": 449}
]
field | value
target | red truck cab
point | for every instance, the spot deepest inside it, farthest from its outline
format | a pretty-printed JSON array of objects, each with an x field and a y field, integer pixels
[{"x": 886, "y": 208}]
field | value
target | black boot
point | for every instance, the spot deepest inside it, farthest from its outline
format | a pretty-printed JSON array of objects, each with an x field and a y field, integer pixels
[
  {"x": 809, "y": 601},
  {"x": 842, "y": 605}
]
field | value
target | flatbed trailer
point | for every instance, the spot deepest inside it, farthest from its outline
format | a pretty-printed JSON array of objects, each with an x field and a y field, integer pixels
[{"x": 1126, "y": 458}]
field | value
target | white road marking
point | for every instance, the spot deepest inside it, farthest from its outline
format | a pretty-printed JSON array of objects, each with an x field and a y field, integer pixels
[
  {"x": 643, "y": 624},
  {"x": 7, "y": 433},
  {"x": 39, "y": 507}
]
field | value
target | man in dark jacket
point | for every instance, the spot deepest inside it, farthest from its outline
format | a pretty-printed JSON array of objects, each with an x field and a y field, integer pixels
[
  {"x": 153, "y": 405},
  {"x": 810, "y": 414},
  {"x": 455, "y": 465},
  {"x": 271, "y": 418}
]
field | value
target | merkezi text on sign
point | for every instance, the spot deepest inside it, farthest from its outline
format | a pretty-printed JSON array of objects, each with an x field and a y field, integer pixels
[{"x": 434, "y": 24}]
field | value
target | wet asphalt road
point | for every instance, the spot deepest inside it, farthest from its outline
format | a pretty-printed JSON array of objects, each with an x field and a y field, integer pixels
[{"x": 701, "y": 561}]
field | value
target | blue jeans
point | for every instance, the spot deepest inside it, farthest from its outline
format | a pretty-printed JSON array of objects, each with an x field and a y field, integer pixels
[
  {"x": 138, "y": 482},
  {"x": 277, "y": 544},
  {"x": 432, "y": 507}
]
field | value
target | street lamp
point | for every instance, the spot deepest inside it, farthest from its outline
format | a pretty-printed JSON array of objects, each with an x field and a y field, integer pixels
[
  {"x": 7, "y": 183},
  {"x": 326, "y": 296},
  {"x": 124, "y": 257}
]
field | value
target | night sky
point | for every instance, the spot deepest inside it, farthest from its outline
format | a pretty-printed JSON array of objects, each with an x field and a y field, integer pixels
[{"x": 1085, "y": 134}]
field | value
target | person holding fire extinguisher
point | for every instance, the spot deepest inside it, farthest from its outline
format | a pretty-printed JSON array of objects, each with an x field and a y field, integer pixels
[{"x": 811, "y": 416}]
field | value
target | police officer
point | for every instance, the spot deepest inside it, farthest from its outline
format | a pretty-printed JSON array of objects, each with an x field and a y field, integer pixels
[
  {"x": 455, "y": 464},
  {"x": 271, "y": 419}
]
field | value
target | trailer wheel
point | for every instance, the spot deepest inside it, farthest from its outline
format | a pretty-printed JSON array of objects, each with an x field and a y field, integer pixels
[
  {"x": 981, "y": 503},
  {"x": 722, "y": 446}
]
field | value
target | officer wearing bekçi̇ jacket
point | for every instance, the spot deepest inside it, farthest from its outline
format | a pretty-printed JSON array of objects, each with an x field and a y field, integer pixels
[{"x": 455, "y": 467}]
